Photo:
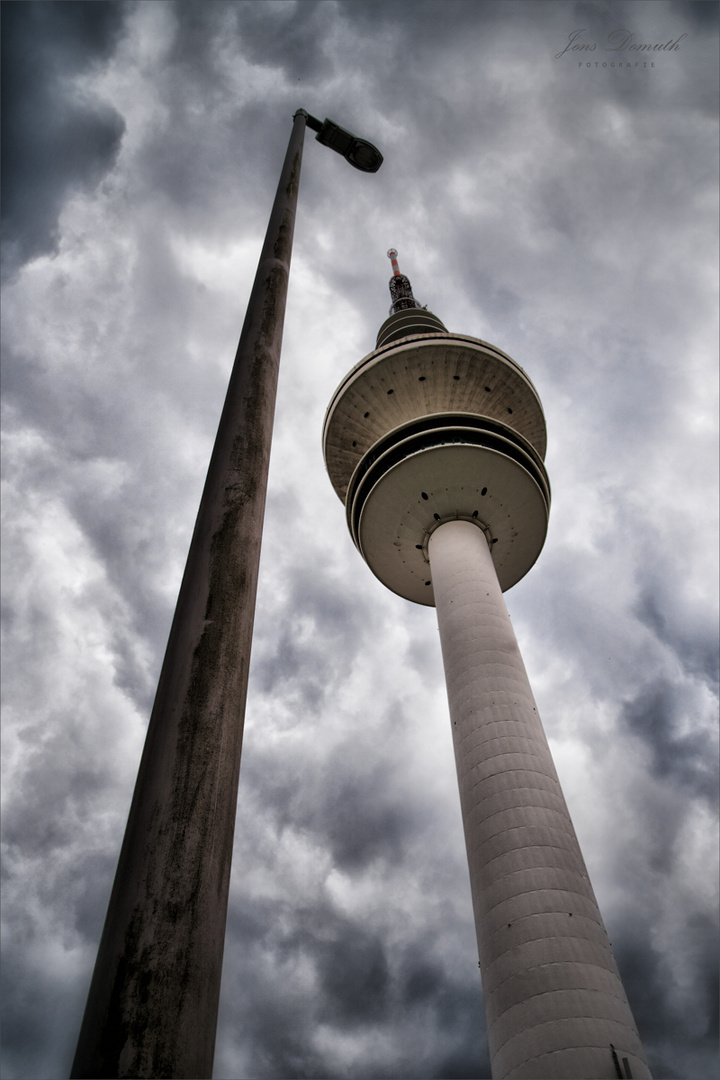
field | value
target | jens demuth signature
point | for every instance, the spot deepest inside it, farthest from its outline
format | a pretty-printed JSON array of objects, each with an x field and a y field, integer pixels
[{"x": 618, "y": 41}]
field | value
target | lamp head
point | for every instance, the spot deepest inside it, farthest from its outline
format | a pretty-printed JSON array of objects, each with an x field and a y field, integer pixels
[{"x": 358, "y": 152}]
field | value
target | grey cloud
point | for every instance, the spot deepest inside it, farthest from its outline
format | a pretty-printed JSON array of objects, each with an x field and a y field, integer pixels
[
  {"x": 704, "y": 15},
  {"x": 42, "y": 818},
  {"x": 359, "y": 984},
  {"x": 218, "y": 129},
  {"x": 645, "y": 979},
  {"x": 352, "y": 966},
  {"x": 657, "y": 715},
  {"x": 292, "y": 38},
  {"x": 425, "y": 659},
  {"x": 350, "y": 800},
  {"x": 129, "y": 563},
  {"x": 421, "y": 25},
  {"x": 44, "y": 1006},
  {"x": 691, "y": 634},
  {"x": 368, "y": 820},
  {"x": 88, "y": 433},
  {"x": 310, "y": 653},
  {"x": 54, "y": 140}
]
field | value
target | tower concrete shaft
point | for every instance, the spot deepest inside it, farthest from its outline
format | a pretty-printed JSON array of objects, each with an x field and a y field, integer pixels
[
  {"x": 554, "y": 1001},
  {"x": 435, "y": 442}
]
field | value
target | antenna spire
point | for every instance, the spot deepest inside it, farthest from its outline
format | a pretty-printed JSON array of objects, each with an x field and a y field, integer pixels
[{"x": 400, "y": 287}]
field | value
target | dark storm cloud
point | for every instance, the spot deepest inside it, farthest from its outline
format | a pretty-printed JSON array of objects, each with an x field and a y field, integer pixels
[
  {"x": 64, "y": 470},
  {"x": 424, "y": 983},
  {"x": 659, "y": 716},
  {"x": 274, "y": 1037},
  {"x": 645, "y": 977},
  {"x": 353, "y": 981},
  {"x": 307, "y": 655},
  {"x": 702, "y": 14},
  {"x": 644, "y": 981},
  {"x": 54, "y": 139},
  {"x": 209, "y": 169},
  {"x": 52, "y": 864},
  {"x": 289, "y": 38},
  {"x": 424, "y": 24},
  {"x": 351, "y": 964},
  {"x": 689, "y": 632},
  {"x": 92, "y": 448},
  {"x": 42, "y": 819},
  {"x": 662, "y": 680},
  {"x": 349, "y": 802},
  {"x": 369, "y": 816}
]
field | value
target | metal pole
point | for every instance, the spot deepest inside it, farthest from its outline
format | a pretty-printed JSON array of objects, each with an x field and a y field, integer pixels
[{"x": 153, "y": 1000}]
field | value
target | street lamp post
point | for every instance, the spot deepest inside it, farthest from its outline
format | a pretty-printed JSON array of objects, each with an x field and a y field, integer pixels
[{"x": 153, "y": 1000}]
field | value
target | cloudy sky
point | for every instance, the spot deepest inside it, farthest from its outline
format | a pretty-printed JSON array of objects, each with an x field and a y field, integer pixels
[{"x": 562, "y": 207}]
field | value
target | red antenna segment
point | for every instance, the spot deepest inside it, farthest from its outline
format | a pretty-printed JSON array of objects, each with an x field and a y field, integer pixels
[
  {"x": 392, "y": 256},
  {"x": 400, "y": 287}
]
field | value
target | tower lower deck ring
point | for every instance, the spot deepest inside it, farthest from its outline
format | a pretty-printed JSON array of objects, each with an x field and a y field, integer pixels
[{"x": 468, "y": 471}]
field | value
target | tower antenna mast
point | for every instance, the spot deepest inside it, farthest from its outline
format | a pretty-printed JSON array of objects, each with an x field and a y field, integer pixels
[{"x": 400, "y": 287}]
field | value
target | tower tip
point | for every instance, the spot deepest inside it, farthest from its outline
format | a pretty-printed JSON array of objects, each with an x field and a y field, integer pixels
[{"x": 400, "y": 287}]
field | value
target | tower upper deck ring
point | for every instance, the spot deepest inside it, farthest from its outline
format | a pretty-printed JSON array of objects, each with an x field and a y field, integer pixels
[{"x": 420, "y": 375}]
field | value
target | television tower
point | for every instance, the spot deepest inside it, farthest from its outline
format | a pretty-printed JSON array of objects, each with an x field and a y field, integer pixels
[{"x": 435, "y": 443}]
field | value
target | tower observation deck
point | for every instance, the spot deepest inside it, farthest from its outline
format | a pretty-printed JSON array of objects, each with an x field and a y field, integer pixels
[{"x": 435, "y": 443}]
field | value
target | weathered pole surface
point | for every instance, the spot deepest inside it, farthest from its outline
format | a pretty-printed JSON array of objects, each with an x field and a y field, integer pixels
[{"x": 153, "y": 1000}]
